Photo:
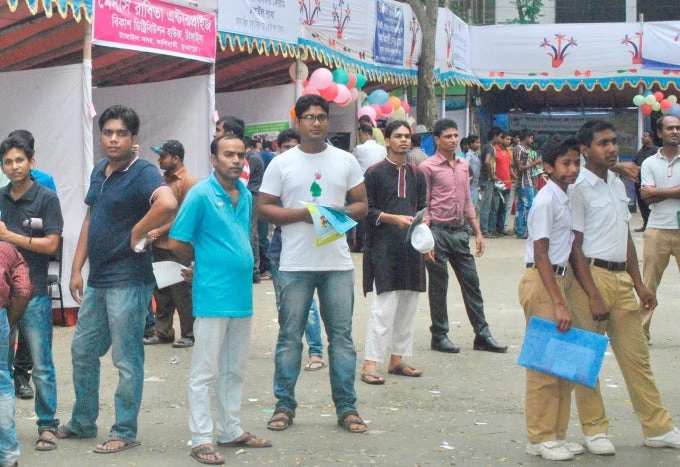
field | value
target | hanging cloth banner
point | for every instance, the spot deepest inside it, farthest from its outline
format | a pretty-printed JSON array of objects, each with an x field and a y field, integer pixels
[
  {"x": 444, "y": 39},
  {"x": 275, "y": 20},
  {"x": 388, "y": 46},
  {"x": 154, "y": 26},
  {"x": 414, "y": 39},
  {"x": 662, "y": 45},
  {"x": 460, "y": 53}
]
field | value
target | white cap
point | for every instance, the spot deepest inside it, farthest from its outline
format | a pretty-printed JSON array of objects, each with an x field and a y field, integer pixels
[{"x": 422, "y": 239}]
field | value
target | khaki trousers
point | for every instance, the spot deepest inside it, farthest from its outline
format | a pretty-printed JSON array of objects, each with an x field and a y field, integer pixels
[
  {"x": 658, "y": 246},
  {"x": 548, "y": 398},
  {"x": 629, "y": 344}
]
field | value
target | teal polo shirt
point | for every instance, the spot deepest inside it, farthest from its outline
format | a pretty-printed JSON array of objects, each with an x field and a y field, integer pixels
[{"x": 220, "y": 234}]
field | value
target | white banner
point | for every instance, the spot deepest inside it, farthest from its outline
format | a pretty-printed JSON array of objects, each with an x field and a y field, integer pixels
[
  {"x": 461, "y": 45},
  {"x": 444, "y": 38},
  {"x": 413, "y": 39},
  {"x": 266, "y": 19},
  {"x": 662, "y": 45}
]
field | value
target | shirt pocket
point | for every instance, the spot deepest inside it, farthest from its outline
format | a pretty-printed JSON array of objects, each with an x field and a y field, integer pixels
[{"x": 622, "y": 207}]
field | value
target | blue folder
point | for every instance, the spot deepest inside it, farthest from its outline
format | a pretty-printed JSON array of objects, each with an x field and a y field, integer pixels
[{"x": 575, "y": 355}]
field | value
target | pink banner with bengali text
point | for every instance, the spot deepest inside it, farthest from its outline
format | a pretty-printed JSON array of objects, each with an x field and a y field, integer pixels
[{"x": 155, "y": 26}]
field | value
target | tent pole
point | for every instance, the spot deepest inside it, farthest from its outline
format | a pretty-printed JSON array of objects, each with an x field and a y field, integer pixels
[
  {"x": 88, "y": 111},
  {"x": 443, "y": 102},
  {"x": 640, "y": 116},
  {"x": 298, "y": 79}
]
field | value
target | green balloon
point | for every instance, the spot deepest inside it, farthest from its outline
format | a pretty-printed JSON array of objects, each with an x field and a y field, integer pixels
[
  {"x": 340, "y": 76},
  {"x": 639, "y": 100},
  {"x": 361, "y": 80}
]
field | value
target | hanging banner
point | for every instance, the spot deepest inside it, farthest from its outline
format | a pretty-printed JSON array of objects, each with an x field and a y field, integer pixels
[
  {"x": 267, "y": 19},
  {"x": 662, "y": 45},
  {"x": 414, "y": 38},
  {"x": 155, "y": 26},
  {"x": 444, "y": 39},
  {"x": 388, "y": 46},
  {"x": 460, "y": 53}
]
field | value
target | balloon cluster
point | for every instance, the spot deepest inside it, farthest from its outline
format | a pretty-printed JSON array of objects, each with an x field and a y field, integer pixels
[
  {"x": 380, "y": 104},
  {"x": 655, "y": 101},
  {"x": 340, "y": 86}
]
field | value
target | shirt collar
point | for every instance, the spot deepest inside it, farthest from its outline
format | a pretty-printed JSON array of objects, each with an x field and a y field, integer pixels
[
  {"x": 217, "y": 188},
  {"x": 592, "y": 179},
  {"x": 440, "y": 159},
  {"x": 557, "y": 192},
  {"x": 178, "y": 174}
]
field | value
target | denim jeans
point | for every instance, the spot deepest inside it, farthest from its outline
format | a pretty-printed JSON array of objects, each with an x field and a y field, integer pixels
[
  {"x": 109, "y": 318},
  {"x": 500, "y": 212},
  {"x": 336, "y": 297},
  {"x": 488, "y": 208},
  {"x": 36, "y": 327},
  {"x": 313, "y": 328},
  {"x": 9, "y": 445},
  {"x": 525, "y": 198}
]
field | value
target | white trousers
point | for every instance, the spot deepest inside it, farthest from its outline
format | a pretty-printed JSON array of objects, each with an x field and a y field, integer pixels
[
  {"x": 394, "y": 310},
  {"x": 219, "y": 356}
]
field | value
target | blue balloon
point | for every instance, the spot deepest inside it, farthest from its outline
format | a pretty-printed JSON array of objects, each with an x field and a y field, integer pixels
[
  {"x": 378, "y": 96},
  {"x": 675, "y": 110},
  {"x": 647, "y": 93}
]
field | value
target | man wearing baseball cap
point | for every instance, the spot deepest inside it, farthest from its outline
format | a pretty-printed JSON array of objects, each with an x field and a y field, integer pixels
[{"x": 171, "y": 159}]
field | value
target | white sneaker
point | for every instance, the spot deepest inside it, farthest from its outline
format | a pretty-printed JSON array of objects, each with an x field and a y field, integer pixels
[
  {"x": 600, "y": 445},
  {"x": 550, "y": 450},
  {"x": 574, "y": 448},
  {"x": 668, "y": 440}
]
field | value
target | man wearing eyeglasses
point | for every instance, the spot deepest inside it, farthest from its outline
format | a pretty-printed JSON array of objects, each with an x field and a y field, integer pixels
[
  {"x": 127, "y": 199},
  {"x": 660, "y": 187},
  {"x": 313, "y": 172}
]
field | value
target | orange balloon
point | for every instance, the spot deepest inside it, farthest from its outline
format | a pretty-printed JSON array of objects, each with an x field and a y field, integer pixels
[
  {"x": 395, "y": 101},
  {"x": 292, "y": 113}
]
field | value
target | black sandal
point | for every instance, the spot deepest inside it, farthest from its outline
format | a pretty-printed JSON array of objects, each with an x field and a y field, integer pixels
[
  {"x": 346, "y": 423},
  {"x": 285, "y": 417}
]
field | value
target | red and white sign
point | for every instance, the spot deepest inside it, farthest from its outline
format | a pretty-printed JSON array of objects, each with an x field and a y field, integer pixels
[{"x": 155, "y": 26}]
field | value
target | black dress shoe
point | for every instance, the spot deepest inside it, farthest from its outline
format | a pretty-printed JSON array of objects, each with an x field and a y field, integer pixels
[
  {"x": 488, "y": 344},
  {"x": 22, "y": 388},
  {"x": 444, "y": 345}
]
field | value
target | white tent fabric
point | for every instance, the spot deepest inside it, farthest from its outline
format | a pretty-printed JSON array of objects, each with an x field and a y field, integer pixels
[{"x": 49, "y": 103}]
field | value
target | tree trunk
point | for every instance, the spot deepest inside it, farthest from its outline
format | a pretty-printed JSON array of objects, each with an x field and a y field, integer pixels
[{"x": 426, "y": 13}]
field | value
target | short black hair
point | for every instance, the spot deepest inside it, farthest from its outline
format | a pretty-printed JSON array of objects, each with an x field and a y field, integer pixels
[
  {"x": 416, "y": 139},
  {"x": 232, "y": 124},
  {"x": 15, "y": 142},
  {"x": 659, "y": 122},
  {"x": 525, "y": 133},
  {"x": 120, "y": 112},
  {"x": 505, "y": 134},
  {"x": 25, "y": 135},
  {"x": 366, "y": 119},
  {"x": 443, "y": 124},
  {"x": 493, "y": 132},
  {"x": 558, "y": 146},
  {"x": 310, "y": 100},
  {"x": 287, "y": 135},
  {"x": 366, "y": 129},
  {"x": 472, "y": 139},
  {"x": 227, "y": 135},
  {"x": 586, "y": 133},
  {"x": 395, "y": 125}
]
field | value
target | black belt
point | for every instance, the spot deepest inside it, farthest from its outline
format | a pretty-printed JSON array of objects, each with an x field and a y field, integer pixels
[
  {"x": 608, "y": 265},
  {"x": 559, "y": 270},
  {"x": 449, "y": 227}
]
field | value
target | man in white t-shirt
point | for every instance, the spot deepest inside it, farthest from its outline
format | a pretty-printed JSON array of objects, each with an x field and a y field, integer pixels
[
  {"x": 369, "y": 152},
  {"x": 660, "y": 187},
  {"x": 313, "y": 172}
]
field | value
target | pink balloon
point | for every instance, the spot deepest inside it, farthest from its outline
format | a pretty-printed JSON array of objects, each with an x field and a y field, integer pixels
[
  {"x": 659, "y": 96},
  {"x": 343, "y": 96},
  {"x": 406, "y": 107},
  {"x": 354, "y": 93},
  {"x": 378, "y": 110},
  {"x": 310, "y": 90},
  {"x": 352, "y": 80},
  {"x": 366, "y": 110},
  {"x": 330, "y": 92},
  {"x": 665, "y": 104},
  {"x": 646, "y": 109},
  {"x": 387, "y": 109},
  {"x": 321, "y": 78}
]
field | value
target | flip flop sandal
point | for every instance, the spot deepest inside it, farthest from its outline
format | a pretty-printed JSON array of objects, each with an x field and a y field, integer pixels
[
  {"x": 346, "y": 422},
  {"x": 377, "y": 379},
  {"x": 287, "y": 421},
  {"x": 399, "y": 370},
  {"x": 205, "y": 449},
  {"x": 128, "y": 445},
  {"x": 50, "y": 443},
  {"x": 315, "y": 365},
  {"x": 243, "y": 443}
]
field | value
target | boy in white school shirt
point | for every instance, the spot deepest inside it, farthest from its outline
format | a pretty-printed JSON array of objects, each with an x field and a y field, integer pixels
[{"x": 542, "y": 293}]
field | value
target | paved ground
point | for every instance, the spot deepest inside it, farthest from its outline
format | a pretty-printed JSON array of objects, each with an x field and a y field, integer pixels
[{"x": 466, "y": 409}]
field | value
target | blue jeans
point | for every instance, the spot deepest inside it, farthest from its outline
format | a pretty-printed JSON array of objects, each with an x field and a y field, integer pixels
[
  {"x": 36, "y": 327},
  {"x": 109, "y": 318},
  {"x": 9, "y": 445},
  {"x": 336, "y": 297},
  {"x": 488, "y": 208},
  {"x": 313, "y": 328},
  {"x": 525, "y": 198}
]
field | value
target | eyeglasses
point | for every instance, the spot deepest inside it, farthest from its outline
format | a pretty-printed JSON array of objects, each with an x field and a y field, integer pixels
[
  {"x": 119, "y": 133},
  {"x": 323, "y": 118}
]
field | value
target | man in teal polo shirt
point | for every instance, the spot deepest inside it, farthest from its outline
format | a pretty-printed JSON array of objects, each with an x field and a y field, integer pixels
[{"x": 213, "y": 229}]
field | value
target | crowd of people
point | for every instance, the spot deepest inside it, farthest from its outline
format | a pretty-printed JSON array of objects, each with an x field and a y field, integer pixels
[{"x": 415, "y": 216}]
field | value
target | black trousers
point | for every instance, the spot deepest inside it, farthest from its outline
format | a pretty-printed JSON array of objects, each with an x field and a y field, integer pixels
[{"x": 454, "y": 247}]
